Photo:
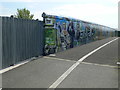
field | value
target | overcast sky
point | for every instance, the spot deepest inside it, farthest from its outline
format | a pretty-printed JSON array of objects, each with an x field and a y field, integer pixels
[{"x": 104, "y": 12}]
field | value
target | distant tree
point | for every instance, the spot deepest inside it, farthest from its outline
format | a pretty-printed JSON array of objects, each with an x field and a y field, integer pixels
[{"x": 24, "y": 13}]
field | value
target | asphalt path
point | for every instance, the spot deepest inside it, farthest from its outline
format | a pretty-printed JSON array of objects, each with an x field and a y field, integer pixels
[
  {"x": 91, "y": 76},
  {"x": 78, "y": 52},
  {"x": 107, "y": 55},
  {"x": 97, "y": 71},
  {"x": 40, "y": 73}
]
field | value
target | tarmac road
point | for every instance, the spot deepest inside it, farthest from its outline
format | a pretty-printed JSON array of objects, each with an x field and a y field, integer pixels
[{"x": 97, "y": 71}]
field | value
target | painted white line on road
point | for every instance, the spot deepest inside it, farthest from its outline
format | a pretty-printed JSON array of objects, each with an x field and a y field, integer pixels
[
  {"x": 118, "y": 63},
  {"x": 99, "y": 65},
  {"x": 52, "y": 55},
  {"x": 17, "y": 65},
  {"x": 12, "y": 67},
  {"x": 59, "y": 59},
  {"x": 65, "y": 74}
]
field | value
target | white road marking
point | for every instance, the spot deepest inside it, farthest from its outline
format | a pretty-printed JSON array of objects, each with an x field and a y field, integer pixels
[
  {"x": 65, "y": 74},
  {"x": 12, "y": 67},
  {"x": 59, "y": 59},
  {"x": 100, "y": 65},
  {"x": 52, "y": 55},
  {"x": 118, "y": 63},
  {"x": 17, "y": 65}
]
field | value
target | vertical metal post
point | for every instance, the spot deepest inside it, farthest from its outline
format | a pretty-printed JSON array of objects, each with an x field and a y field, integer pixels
[
  {"x": 118, "y": 30},
  {"x": 118, "y": 46},
  {"x": 44, "y": 15}
]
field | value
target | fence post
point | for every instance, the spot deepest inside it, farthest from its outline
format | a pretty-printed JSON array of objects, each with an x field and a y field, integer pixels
[{"x": 118, "y": 32}]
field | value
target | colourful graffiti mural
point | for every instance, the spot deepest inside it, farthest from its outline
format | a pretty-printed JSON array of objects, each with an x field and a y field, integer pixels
[{"x": 62, "y": 33}]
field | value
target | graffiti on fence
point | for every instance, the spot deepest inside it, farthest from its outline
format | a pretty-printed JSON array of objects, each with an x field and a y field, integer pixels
[{"x": 67, "y": 33}]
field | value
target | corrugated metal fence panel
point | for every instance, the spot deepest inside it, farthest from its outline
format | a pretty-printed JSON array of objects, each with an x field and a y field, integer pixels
[
  {"x": 7, "y": 41},
  {"x": 22, "y": 39},
  {"x": 0, "y": 42}
]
